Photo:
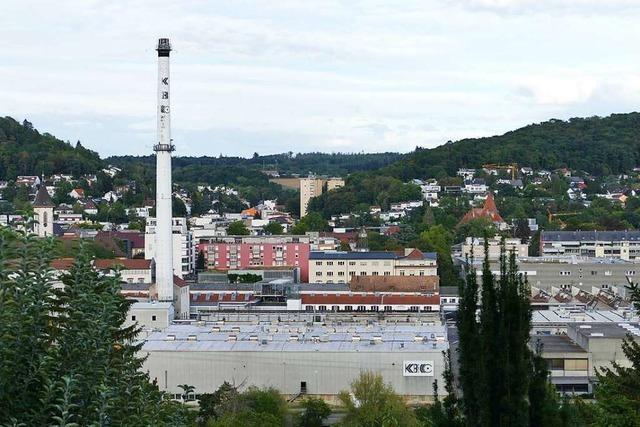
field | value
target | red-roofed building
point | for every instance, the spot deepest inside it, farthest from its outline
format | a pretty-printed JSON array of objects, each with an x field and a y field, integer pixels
[
  {"x": 131, "y": 270},
  {"x": 489, "y": 211}
]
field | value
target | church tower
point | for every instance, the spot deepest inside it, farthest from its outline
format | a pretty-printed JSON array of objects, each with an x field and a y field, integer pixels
[{"x": 43, "y": 213}]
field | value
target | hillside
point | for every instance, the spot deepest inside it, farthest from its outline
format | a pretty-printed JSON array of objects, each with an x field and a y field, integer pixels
[
  {"x": 336, "y": 164},
  {"x": 25, "y": 151},
  {"x": 598, "y": 145}
]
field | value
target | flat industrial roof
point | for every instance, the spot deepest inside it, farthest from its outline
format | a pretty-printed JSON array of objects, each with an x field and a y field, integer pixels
[
  {"x": 556, "y": 344},
  {"x": 278, "y": 337},
  {"x": 566, "y": 315},
  {"x": 607, "y": 330}
]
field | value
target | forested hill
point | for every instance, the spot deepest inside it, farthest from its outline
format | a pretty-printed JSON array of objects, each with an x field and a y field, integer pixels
[
  {"x": 25, "y": 151},
  {"x": 337, "y": 164},
  {"x": 598, "y": 145}
]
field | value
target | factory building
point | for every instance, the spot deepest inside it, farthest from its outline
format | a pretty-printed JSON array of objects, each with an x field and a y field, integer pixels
[
  {"x": 601, "y": 244},
  {"x": 295, "y": 358},
  {"x": 576, "y": 343}
]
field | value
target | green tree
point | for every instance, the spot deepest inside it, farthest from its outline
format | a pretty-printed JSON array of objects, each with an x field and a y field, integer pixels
[
  {"x": 437, "y": 239},
  {"x": 273, "y": 228},
  {"x": 375, "y": 404},
  {"x": 201, "y": 262},
  {"x": 315, "y": 411},
  {"x": 310, "y": 222},
  {"x": 237, "y": 228},
  {"x": 56, "y": 367},
  {"x": 618, "y": 389}
]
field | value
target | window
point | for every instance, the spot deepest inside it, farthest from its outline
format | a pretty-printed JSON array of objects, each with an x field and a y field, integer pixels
[
  {"x": 363, "y": 273},
  {"x": 414, "y": 308},
  {"x": 388, "y": 308},
  {"x": 575, "y": 365},
  {"x": 422, "y": 272},
  {"x": 329, "y": 273},
  {"x": 352, "y": 273},
  {"x": 340, "y": 273},
  {"x": 631, "y": 273},
  {"x": 340, "y": 262},
  {"x": 375, "y": 273},
  {"x": 318, "y": 262},
  {"x": 352, "y": 263},
  {"x": 133, "y": 318},
  {"x": 348, "y": 308},
  {"x": 555, "y": 364},
  {"x": 565, "y": 273},
  {"x": 153, "y": 318},
  {"x": 329, "y": 262},
  {"x": 387, "y": 273},
  {"x": 318, "y": 273},
  {"x": 402, "y": 272},
  {"x": 322, "y": 308},
  {"x": 594, "y": 273}
]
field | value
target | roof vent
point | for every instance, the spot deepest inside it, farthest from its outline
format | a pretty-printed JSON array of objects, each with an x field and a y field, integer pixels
[
  {"x": 232, "y": 337},
  {"x": 170, "y": 338},
  {"x": 293, "y": 337},
  {"x": 418, "y": 338},
  {"x": 215, "y": 329},
  {"x": 355, "y": 338},
  {"x": 192, "y": 337},
  {"x": 253, "y": 338},
  {"x": 597, "y": 334}
]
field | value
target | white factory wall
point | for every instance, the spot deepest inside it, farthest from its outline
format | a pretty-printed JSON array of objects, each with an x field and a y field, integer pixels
[{"x": 325, "y": 373}]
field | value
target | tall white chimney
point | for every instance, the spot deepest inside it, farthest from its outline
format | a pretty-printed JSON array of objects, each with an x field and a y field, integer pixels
[{"x": 163, "y": 149}]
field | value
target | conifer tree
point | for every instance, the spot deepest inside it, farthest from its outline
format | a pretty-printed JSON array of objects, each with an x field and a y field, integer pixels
[{"x": 65, "y": 358}]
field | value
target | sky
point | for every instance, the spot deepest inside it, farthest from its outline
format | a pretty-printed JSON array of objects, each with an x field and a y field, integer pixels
[{"x": 334, "y": 76}]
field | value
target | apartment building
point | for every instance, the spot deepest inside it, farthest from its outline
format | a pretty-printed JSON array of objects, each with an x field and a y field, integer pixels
[
  {"x": 242, "y": 252},
  {"x": 184, "y": 249},
  {"x": 313, "y": 187},
  {"x": 340, "y": 267},
  {"x": 474, "y": 246},
  {"x": 602, "y": 244}
]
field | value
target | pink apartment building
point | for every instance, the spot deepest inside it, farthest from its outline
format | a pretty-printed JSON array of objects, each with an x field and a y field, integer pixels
[{"x": 241, "y": 252}]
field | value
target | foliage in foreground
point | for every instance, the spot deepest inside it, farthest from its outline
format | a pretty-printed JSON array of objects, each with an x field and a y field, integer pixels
[
  {"x": 65, "y": 358},
  {"x": 371, "y": 402}
]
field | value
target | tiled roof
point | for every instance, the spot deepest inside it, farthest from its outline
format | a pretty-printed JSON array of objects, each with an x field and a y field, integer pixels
[
  {"x": 394, "y": 283},
  {"x": 43, "y": 200},
  {"x": 127, "y": 264},
  {"x": 352, "y": 255}
]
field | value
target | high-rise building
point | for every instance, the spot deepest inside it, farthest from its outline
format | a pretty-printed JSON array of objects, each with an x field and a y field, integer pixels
[
  {"x": 183, "y": 248},
  {"x": 163, "y": 229},
  {"x": 313, "y": 187}
]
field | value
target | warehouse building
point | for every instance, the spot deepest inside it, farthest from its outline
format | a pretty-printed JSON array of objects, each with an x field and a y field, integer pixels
[
  {"x": 295, "y": 358},
  {"x": 610, "y": 244}
]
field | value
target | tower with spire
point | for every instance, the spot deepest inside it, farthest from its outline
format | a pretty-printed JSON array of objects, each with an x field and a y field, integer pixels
[{"x": 43, "y": 213}]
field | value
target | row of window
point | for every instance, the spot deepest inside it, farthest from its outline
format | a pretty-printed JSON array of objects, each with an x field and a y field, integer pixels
[
  {"x": 595, "y": 273},
  {"x": 413, "y": 308}
]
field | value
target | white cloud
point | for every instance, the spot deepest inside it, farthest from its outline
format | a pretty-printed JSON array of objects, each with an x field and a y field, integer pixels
[{"x": 279, "y": 76}]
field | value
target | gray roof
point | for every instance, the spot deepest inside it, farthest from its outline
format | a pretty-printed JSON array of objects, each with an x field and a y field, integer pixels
[
  {"x": 607, "y": 330},
  {"x": 556, "y": 344},
  {"x": 319, "y": 287},
  {"x": 364, "y": 255},
  {"x": 555, "y": 236},
  {"x": 278, "y": 337},
  {"x": 450, "y": 291},
  {"x": 43, "y": 200}
]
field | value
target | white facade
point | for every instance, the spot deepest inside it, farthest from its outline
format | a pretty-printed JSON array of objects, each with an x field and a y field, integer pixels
[
  {"x": 340, "y": 267},
  {"x": 44, "y": 218},
  {"x": 182, "y": 247},
  {"x": 475, "y": 246}
]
